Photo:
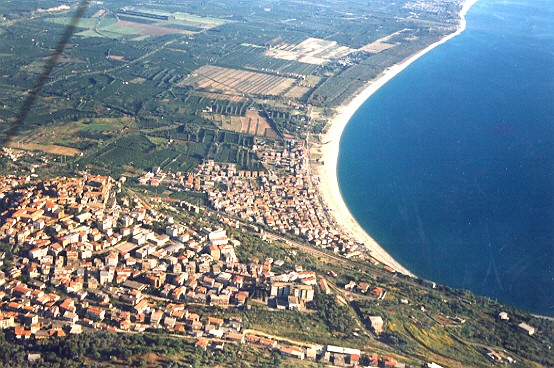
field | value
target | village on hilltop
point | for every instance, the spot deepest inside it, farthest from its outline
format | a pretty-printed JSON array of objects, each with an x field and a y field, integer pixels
[{"x": 91, "y": 259}]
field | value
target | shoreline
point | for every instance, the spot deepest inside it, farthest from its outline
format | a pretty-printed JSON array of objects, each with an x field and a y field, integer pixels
[{"x": 328, "y": 186}]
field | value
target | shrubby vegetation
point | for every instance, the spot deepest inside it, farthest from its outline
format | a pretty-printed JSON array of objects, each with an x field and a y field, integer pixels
[
  {"x": 339, "y": 318},
  {"x": 101, "y": 349}
]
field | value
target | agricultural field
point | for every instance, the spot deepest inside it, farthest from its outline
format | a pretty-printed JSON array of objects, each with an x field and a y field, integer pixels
[
  {"x": 48, "y": 148},
  {"x": 124, "y": 27},
  {"x": 173, "y": 83},
  {"x": 298, "y": 92},
  {"x": 254, "y": 57},
  {"x": 252, "y": 123},
  {"x": 196, "y": 21},
  {"x": 178, "y": 149},
  {"x": 231, "y": 97},
  {"x": 143, "y": 69},
  {"x": 121, "y": 24},
  {"x": 377, "y": 46},
  {"x": 177, "y": 18},
  {"x": 383, "y": 43},
  {"x": 312, "y": 51},
  {"x": 214, "y": 78}
]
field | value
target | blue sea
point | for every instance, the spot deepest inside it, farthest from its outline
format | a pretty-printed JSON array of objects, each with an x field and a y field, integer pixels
[{"x": 450, "y": 166}]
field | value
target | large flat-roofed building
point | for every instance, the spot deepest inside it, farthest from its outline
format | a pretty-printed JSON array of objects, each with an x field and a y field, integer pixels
[
  {"x": 342, "y": 350},
  {"x": 525, "y": 327}
]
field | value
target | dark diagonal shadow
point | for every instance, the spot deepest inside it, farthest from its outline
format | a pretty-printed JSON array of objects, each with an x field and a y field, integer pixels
[{"x": 43, "y": 77}]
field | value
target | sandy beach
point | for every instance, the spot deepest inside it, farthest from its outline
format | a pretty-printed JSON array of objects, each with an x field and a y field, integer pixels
[{"x": 329, "y": 151}]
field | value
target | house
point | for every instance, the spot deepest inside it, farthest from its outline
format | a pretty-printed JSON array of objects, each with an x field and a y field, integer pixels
[
  {"x": 311, "y": 353},
  {"x": 525, "y": 327},
  {"x": 376, "y": 324},
  {"x": 156, "y": 317},
  {"x": 156, "y": 279},
  {"x": 179, "y": 328},
  {"x": 236, "y": 337},
  {"x": 363, "y": 287},
  {"x": 219, "y": 299},
  {"x": 22, "y": 333},
  {"x": 324, "y": 286},
  {"x": 216, "y": 332},
  {"x": 75, "y": 329},
  {"x": 170, "y": 322},
  {"x": 38, "y": 253},
  {"x": 68, "y": 304},
  {"x": 388, "y": 361},
  {"x": 33, "y": 357},
  {"x": 342, "y": 350},
  {"x": 267, "y": 342},
  {"x": 292, "y": 351},
  {"x": 178, "y": 293},
  {"x": 241, "y": 297},
  {"x": 95, "y": 313},
  {"x": 111, "y": 260},
  {"x": 304, "y": 292},
  {"x": 354, "y": 359},
  {"x": 70, "y": 316},
  {"x": 218, "y": 322},
  {"x": 21, "y": 291},
  {"x": 350, "y": 286},
  {"x": 294, "y": 303},
  {"x": 432, "y": 365},
  {"x": 57, "y": 332},
  {"x": 214, "y": 251},
  {"x": 377, "y": 291},
  {"x": 6, "y": 321},
  {"x": 202, "y": 343}
]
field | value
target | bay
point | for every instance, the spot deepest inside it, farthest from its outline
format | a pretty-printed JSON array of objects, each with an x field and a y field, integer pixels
[{"x": 450, "y": 165}]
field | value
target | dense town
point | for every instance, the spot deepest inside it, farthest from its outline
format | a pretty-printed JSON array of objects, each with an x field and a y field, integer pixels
[
  {"x": 283, "y": 198},
  {"x": 91, "y": 259},
  {"x": 88, "y": 253}
]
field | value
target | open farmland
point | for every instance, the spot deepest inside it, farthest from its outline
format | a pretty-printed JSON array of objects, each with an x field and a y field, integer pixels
[
  {"x": 179, "y": 19},
  {"x": 254, "y": 57},
  {"x": 124, "y": 25},
  {"x": 214, "y": 78},
  {"x": 49, "y": 148},
  {"x": 229, "y": 96},
  {"x": 298, "y": 92},
  {"x": 193, "y": 20},
  {"x": 142, "y": 69},
  {"x": 383, "y": 43},
  {"x": 311, "y": 51},
  {"x": 252, "y": 123},
  {"x": 155, "y": 29}
]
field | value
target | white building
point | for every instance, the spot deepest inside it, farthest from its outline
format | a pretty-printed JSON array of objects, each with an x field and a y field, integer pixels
[{"x": 525, "y": 327}]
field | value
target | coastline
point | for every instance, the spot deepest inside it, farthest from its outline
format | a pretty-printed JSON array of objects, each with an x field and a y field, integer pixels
[{"x": 328, "y": 186}]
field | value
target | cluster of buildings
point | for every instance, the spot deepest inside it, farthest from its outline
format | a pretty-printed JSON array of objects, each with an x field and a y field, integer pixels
[
  {"x": 337, "y": 356},
  {"x": 11, "y": 154},
  {"x": 88, "y": 256},
  {"x": 153, "y": 178},
  {"x": 283, "y": 197}
]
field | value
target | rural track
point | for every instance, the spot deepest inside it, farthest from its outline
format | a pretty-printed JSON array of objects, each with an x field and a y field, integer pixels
[{"x": 279, "y": 338}]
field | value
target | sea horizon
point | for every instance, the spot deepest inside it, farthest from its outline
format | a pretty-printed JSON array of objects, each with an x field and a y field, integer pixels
[{"x": 448, "y": 166}]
